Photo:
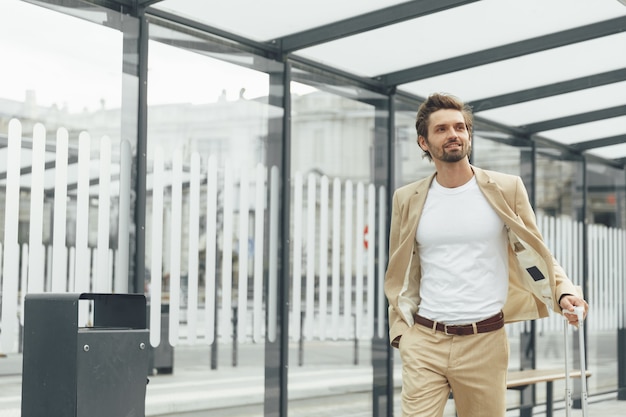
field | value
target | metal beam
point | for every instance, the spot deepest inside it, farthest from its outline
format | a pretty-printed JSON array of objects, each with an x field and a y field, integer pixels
[
  {"x": 569, "y": 86},
  {"x": 278, "y": 154},
  {"x": 140, "y": 52},
  {"x": 576, "y": 119},
  {"x": 323, "y": 69},
  {"x": 260, "y": 48},
  {"x": 599, "y": 143},
  {"x": 79, "y": 4},
  {"x": 368, "y": 21},
  {"x": 146, "y": 3},
  {"x": 504, "y": 52}
]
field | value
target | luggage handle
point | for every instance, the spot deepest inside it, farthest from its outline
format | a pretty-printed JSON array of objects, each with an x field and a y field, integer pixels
[{"x": 580, "y": 314}]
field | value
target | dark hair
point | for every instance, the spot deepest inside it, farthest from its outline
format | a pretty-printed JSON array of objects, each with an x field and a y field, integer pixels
[{"x": 438, "y": 101}]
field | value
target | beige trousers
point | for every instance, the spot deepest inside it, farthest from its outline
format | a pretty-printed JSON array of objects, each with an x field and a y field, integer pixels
[{"x": 474, "y": 367}]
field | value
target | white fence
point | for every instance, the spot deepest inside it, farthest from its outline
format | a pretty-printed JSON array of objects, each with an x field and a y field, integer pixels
[
  {"x": 208, "y": 224},
  {"x": 607, "y": 273},
  {"x": 31, "y": 267},
  {"x": 333, "y": 253}
]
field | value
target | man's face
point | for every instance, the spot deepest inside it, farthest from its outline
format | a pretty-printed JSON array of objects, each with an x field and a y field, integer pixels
[{"x": 448, "y": 139}]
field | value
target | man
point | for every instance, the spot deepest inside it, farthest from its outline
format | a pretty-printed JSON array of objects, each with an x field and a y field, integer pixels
[{"x": 453, "y": 278}]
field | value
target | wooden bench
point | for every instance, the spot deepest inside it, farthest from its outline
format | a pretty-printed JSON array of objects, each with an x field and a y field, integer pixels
[{"x": 521, "y": 379}]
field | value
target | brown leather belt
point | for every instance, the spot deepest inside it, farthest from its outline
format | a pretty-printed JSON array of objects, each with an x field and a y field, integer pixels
[{"x": 484, "y": 326}]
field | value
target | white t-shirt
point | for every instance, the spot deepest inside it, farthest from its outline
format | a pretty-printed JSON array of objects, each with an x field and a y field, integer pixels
[{"x": 463, "y": 253}]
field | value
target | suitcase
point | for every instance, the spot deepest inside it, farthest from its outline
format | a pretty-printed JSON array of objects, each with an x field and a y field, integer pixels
[{"x": 579, "y": 311}]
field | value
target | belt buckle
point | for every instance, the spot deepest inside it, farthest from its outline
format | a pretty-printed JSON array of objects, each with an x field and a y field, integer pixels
[{"x": 445, "y": 330}]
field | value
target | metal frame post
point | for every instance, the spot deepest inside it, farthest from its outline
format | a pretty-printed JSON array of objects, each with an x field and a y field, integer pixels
[{"x": 279, "y": 154}]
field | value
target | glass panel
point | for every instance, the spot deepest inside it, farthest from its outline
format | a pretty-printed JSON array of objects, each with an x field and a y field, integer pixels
[
  {"x": 559, "y": 208},
  {"x": 56, "y": 79},
  {"x": 559, "y": 182},
  {"x": 541, "y": 68},
  {"x": 207, "y": 202},
  {"x": 498, "y": 151},
  {"x": 409, "y": 165},
  {"x": 610, "y": 152},
  {"x": 334, "y": 230},
  {"x": 74, "y": 159},
  {"x": 605, "y": 216},
  {"x": 587, "y": 100},
  {"x": 487, "y": 18},
  {"x": 280, "y": 17},
  {"x": 593, "y": 130},
  {"x": 605, "y": 195}
]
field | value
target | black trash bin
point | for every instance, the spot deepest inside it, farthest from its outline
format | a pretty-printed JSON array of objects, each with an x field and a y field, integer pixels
[{"x": 96, "y": 371}]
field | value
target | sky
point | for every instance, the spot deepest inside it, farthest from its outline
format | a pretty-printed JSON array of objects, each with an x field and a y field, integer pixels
[{"x": 77, "y": 64}]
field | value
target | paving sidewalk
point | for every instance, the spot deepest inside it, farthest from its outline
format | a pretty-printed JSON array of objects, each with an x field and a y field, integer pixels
[{"x": 314, "y": 391}]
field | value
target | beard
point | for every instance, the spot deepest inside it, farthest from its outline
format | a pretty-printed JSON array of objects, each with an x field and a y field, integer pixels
[{"x": 454, "y": 156}]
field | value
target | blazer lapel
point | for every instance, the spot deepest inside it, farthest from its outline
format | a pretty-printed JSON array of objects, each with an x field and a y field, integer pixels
[
  {"x": 494, "y": 195},
  {"x": 416, "y": 206}
]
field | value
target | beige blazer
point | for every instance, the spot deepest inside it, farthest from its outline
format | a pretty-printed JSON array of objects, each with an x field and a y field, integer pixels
[{"x": 509, "y": 198}]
